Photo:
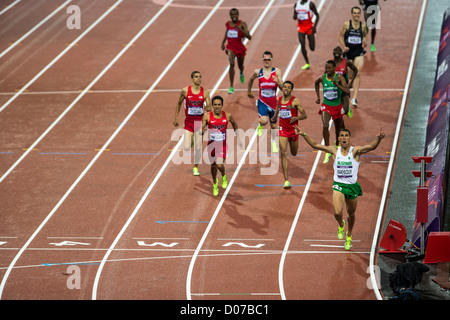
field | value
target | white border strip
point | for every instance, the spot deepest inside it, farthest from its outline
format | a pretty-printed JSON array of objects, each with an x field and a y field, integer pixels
[{"x": 373, "y": 277}]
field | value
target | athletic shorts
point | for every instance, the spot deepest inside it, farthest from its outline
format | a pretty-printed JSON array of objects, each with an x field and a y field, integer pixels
[
  {"x": 336, "y": 112},
  {"x": 352, "y": 54},
  {"x": 288, "y": 133},
  {"x": 217, "y": 150},
  {"x": 306, "y": 28},
  {"x": 239, "y": 51},
  {"x": 193, "y": 124},
  {"x": 264, "y": 110},
  {"x": 350, "y": 191}
]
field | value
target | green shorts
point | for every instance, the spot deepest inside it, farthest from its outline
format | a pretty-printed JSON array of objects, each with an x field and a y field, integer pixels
[{"x": 351, "y": 191}]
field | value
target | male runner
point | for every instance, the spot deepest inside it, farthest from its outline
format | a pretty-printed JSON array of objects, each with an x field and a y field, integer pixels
[
  {"x": 195, "y": 97},
  {"x": 235, "y": 49},
  {"x": 353, "y": 38},
  {"x": 346, "y": 189},
  {"x": 216, "y": 121},
  {"x": 331, "y": 108},
  {"x": 303, "y": 14},
  {"x": 342, "y": 66},
  {"x": 291, "y": 111},
  {"x": 373, "y": 13},
  {"x": 269, "y": 79}
]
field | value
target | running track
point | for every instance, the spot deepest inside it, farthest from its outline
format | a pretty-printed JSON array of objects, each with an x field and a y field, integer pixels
[{"x": 85, "y": 146}]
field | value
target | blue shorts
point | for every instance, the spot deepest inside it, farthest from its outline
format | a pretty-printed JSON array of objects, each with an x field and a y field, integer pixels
[{"x": 265, "y": 111}]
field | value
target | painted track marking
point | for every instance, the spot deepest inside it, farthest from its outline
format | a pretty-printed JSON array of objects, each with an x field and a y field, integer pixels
[
  {"x": 70, "y": 46},
  {"x": 166, "y": 163},
  {"x": 9, "y": 7},
  {"x": 8, "y": 271},
  {"x": 18, "y": 161},
  {"x": 34, "y": 28},
  {"x": 230, "y": 183}
]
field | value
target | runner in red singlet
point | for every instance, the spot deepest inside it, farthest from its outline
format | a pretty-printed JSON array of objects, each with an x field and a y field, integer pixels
[
  {"x": 235, "y": 49},
  {"x": 291, "y": 111},
  {"x": 303, "y": 14},
  {"x": 196, "y": 99},
  {"x": 216, "y": 121},
  {"x": 269, "y": 79}
]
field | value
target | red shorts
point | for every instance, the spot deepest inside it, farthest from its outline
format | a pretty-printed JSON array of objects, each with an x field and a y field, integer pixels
[
  {"x": 305, "y": 27},
  {"x": 239, "y": 50},
  {"x": 217, "y": 150},
  {"x": 191, "y": 124},
  {"x": 336, "y": 112},
  {"x": 288, "y": 133}
]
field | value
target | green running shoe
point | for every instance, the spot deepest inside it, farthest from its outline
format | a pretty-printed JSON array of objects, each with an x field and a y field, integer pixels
[
  {"x": 260, "y": 130},
  {"x": 327, "y": 157},
  {"x": 350, "y": 112},
  {"x": 242, "y": 78},
  {"x": 274, "y": 147},
  {"x": 348, "y": 242},
  {"x": 372, "y": 48},
  {"x": 216, "y": 188},
  {"x": 231, "y": 90},
  {"x": 306, "y": 66},
  {"x": 341, "y": 231},
  {"x": 224, "y": 182},
  {"x": 287, "y": 184},
  {"x": 195, "y": 171}
]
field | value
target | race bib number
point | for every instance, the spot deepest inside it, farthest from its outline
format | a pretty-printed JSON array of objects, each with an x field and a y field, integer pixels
[
  {"x": 331, "y": 94},
  {"x": 195, "y": 111},
  {"x": 267, "y": 93},
  {"x": 344, "y": 173},
  {"x": 232, "y": 33},
  {"x": 285, "y": 114},
  {"x": 354, "y": 40},
  {"x": 344, "y": 169},
  {"x": 217, "y": 136},
  {"x": 302, "y": 16}
]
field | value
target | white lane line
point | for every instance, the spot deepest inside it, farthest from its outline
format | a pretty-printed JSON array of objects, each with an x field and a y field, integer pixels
[
  {"x": 166, "y": 163},
  {"x": 372, "y": 271},
  {"x": 230, "y": 183},
  {"x": 81, "y": 36},
  {"x": 9, "y": 7},
  {"x": 188, "y": 281},
  {"x": 34, "y": 28},
  {"x": 81, "y": 95},
  {"x": 100, "y": 152},
  {"x": 299, "y": 209}
]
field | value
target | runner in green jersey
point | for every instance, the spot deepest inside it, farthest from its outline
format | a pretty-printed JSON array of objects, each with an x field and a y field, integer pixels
[{"x": 331, "y": 108}]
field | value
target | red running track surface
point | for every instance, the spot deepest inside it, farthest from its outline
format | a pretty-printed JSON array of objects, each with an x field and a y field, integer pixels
[{"x": 93, "y": 190}]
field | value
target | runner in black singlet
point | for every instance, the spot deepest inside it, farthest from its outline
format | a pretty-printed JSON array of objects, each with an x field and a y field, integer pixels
[{"x": 353, "y": 38}]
